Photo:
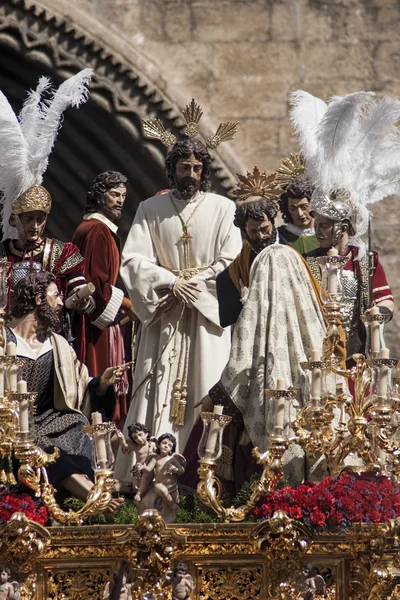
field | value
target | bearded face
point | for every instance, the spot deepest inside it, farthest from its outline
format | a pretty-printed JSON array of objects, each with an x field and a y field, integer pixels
[
  {"x": 259, "y": 233},
  {"x": 188, "y": 173},
  {"x": 49, "y": 310}
]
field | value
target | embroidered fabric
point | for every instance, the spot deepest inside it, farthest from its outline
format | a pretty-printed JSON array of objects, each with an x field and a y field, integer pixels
[{"x": 278, "y": 327}]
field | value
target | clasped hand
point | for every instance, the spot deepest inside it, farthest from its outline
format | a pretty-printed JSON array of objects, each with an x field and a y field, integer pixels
[{"x": 182, "y": 291}]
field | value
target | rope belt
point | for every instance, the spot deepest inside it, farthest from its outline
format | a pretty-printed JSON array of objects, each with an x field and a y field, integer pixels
[{"x": 186, "y": 273}]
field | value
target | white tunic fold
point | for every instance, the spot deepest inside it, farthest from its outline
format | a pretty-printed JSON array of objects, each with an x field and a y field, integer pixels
[{"x": 154, "y": 248}]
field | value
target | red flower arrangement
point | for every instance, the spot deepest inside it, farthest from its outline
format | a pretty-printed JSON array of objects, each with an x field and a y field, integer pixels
[
  {"x": 336, "y": 501},
  {"x": 12, "y": 502}
]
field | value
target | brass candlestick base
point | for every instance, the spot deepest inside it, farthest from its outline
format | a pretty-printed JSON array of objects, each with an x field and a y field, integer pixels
[{"x": 210, "y": 489}]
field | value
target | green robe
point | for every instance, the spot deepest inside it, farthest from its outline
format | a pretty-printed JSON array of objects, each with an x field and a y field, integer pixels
[{"x": 303, "y": 243}]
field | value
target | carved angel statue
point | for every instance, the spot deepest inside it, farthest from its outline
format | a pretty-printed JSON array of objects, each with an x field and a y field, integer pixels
[
  {"x": 158, "y": 484},
  {"x": 9, "y": 590}
]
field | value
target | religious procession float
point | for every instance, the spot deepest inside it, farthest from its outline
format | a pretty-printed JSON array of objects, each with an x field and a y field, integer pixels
[{"x": 320, "y": 516}]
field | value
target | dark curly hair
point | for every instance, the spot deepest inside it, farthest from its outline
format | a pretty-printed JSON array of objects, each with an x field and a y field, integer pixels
[
  {"x": 5, "y": 570},
  {"x": 138, "y": 427},
  {"x": 298, "y": 189},
  {"x": 102, "y": 183},
  {"x": 254, "y": 210},
  {"x": 166, "y": 436},
  {"x": 23, "y": 297},
  {"x": 184, "y": 149}
]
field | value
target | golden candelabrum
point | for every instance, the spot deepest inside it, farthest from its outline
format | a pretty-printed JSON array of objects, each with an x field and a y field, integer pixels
[
  {"x": 352, "y": 425},
  {"x": 16, "y": 440}
]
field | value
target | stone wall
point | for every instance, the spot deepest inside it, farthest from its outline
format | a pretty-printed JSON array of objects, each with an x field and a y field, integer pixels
[{"x": 241, "y": 59}]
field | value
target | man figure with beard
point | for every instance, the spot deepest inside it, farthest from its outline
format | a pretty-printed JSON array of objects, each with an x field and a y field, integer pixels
[
  {"x": 255, "y": 217},
  {"x": 102, "y": 344},
  {"x": 66, "y": 395},
  {"x": 178, "y": 243}
]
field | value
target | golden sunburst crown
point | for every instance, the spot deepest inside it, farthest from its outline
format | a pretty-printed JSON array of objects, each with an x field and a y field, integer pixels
[
  {"x": 291, "y": 168},
  {"x": 154, "y": 128},
  {"x": 257, "y": 184},
  {"x": 192, "y": 114}
]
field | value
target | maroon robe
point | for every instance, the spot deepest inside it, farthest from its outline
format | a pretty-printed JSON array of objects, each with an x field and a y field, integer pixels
[{"x": 99, "y": 244}]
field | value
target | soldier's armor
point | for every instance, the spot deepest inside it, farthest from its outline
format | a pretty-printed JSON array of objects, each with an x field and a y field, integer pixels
[{"x": 354, "y": 300}]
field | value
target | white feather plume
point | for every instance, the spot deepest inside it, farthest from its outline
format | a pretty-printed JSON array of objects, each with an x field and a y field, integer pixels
[
  {"x": 335, "y": 135},
  {"x": 26, "y": 143},
  {"x": 356, "y": 148},
  {"x": 71, "y": 92},
  {"x": 31, "y": 113},
  {"x": 14, "y": 164},
  {"x": 305, "y": 115}
]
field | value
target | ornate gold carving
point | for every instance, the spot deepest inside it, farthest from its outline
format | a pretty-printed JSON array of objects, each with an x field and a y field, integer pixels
[
  {"x": 256, "y": 184},
  {"x": 84, "y": 584},
  {"x": 22, "y": 542},
  {"x": 236, "y": 584},
  {"x": 283, "y": 541},
  {"x": 34, "y": 198}
]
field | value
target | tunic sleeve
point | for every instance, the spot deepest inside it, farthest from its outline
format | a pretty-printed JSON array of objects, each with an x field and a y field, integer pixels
[
  {"x": 140, "y": 272},
  {"x": 98, "y": 248},
  {"x": 228, "y": 245},
  {"x": 380, "y": 288},
  {"x": 229, "y": 304}
]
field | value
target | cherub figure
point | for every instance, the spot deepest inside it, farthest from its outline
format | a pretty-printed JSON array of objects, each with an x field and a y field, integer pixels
[
  {"x": 312, "y": 584},
  {"x": 8, "y": 590},
  {"x": 126, "y": 588},
  {"x": 140, "y": 443},
  {"x": 158, "y": 485},
  {"x": 182, "y": 582}
]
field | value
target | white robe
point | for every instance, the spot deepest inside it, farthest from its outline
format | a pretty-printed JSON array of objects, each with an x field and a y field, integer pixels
[{"x": 153, "y": 244}]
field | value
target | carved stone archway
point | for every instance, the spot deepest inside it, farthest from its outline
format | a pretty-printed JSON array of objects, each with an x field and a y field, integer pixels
[{"x": 105, "y": 133}]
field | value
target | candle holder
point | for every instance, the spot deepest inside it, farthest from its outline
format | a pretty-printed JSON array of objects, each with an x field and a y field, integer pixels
[
  {"x": 104, "y": 431},
  {"x": 209, "y": 487},
  {"x": 331, "y": 295},
  {"x": 331, "y": 267},
  {"x": 371, "y": 317},
  {"x": 5, "y": 267}
]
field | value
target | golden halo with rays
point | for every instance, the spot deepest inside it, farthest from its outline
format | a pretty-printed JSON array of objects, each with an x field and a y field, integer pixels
[
  {"x": 291, "y": 168},
  {"x": 192, "y": 113},
  {"x": 256, "y": 183}
]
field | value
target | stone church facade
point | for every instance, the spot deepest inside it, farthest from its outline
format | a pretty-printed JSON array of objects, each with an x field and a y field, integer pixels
[{"x": 240, "y": 59}]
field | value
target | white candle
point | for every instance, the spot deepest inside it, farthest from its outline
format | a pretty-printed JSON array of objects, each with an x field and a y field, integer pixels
[
  {"x": 22, "y": 387},
  {"x": 12, "y": 376},
  {"x": 383, "y": 375},
  {"x": 1, "y": 350},
  {"x": 332, "y": 274},
  {"x": 375, "y": 337},
  {"x": 2, "y": 376},
  {"x": 213, "y": 432},
  {"x": 11, "y": 349},
  {"x": 316, "y": 375},
  {"x": 23, "y": 408},
  {"x": 99, "y": 441},
  {"x": 280, "y": 406},
  {"x": 381, "y": 454}
]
